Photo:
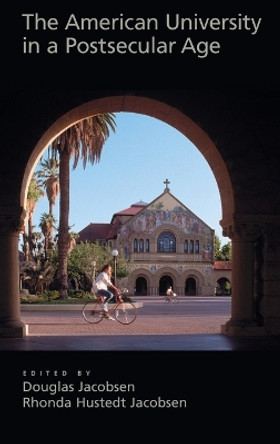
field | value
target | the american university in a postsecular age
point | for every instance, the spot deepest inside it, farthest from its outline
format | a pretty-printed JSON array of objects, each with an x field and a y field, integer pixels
[{"x": 155, "y": 43}]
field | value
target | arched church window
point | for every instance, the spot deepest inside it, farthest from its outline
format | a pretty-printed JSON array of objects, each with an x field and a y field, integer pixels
[
  {"x": 135, "y": 245},
  {"x": 197, "y": 246},
  {"x": 191, "y": 246},
  {"x": 186, "y": 246},
  {"x": 147, "y": 247},
  {"x": 166, "y": 242},
  {"x": 141, "y": 245}
]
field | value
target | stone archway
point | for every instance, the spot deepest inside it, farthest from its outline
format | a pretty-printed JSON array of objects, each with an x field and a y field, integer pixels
[
  {"x": 223, "y": 287},
  {"x": 139, "y": 282},
  {"x": 141, "y": 286},
  {"x": 165, "y": 282},
  {"x": 122, "y": 103},
  {"x": 242, "y": 225},
  {"x": 190, "y": 287}
]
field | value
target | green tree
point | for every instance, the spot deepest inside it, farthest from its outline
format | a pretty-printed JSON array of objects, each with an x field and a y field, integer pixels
[
  {"x": 83, "y": 140},
  {"x": 226, "y": 252},
  {"x": 217, "y": 248},
  {"x": 222, "y": 253},
  {"x": 87, "y": 259}
]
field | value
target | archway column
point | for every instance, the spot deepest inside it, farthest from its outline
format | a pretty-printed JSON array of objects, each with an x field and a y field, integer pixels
[
  {"x": 246, "y": 318},
  {"x": 11, "y": 222}
]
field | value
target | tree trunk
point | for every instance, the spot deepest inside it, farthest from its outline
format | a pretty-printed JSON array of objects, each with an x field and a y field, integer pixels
[{"x": 63, "y": 230}]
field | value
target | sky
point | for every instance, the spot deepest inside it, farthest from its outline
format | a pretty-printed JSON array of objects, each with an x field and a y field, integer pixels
[{"x": 135, "y": 161}]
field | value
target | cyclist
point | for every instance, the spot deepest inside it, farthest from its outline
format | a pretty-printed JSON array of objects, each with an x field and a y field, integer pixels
[
  {"x": 100, "y": 287},
  {"x": 170, "y": 293}
]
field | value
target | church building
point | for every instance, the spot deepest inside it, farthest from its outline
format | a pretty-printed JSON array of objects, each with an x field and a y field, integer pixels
[{"x": 165, "y": 244}]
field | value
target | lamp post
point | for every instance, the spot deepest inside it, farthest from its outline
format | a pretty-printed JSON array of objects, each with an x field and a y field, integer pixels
[
  {"x": 93, "y": 269},
  {"x": 115, "y": 254}
]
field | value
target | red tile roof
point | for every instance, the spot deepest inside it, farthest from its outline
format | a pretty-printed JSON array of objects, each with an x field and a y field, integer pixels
[
  {"x": 222, "y": 265},
  {"x": 132, "y": 210},
  {"x": 94, "y": 232}
]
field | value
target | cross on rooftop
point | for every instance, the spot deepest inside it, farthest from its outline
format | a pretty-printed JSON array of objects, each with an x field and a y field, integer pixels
[{"x": 166, "y": 182}]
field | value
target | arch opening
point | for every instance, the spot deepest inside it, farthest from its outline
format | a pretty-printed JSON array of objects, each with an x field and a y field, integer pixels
[
  {"x": 191, "y": 287},
  {"x": 148, "y": 107},
  {"x": 141, "y": 286},
  {"x": 223, "y": 287},
  {"x": 167, "y": 114},
  {"x": 165, "y": 282}
]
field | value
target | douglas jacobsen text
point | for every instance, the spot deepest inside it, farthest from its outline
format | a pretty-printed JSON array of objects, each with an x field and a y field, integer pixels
[{"x": 70, "y": 395}]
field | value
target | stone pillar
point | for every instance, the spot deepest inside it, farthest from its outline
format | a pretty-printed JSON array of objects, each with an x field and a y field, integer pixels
[
  {"x": 271, "y": 285},
  {"x": 246, "y": 318},
  {"x": 11, "y": 326}
]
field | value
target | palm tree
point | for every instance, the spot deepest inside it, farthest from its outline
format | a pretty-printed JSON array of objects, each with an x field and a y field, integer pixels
[
  {"x": 83, "y": 140},
  {"x": 47, "y": 225},
  {"x": 72, "y": 241},
  {"x": 49, "y": 180},
  {"x": 36, "y": 276},
  {"x": 33, "y": 195}
]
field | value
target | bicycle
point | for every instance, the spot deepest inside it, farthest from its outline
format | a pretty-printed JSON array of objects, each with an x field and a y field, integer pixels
[
  {"x": 124, "y": 311},
  {"x": 174, "y": 299}
]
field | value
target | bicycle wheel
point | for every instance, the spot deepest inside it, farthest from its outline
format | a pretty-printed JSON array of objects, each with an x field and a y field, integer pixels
[
  {"x": 175, "y": 300},
  {"x": 92, "y": 312},
  {"x": 166, "y": 299},
  {"x": 125, "y": 312}
]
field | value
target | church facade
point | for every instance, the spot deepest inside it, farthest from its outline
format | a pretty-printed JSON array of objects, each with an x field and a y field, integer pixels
[{"x": 165, "y": 244}]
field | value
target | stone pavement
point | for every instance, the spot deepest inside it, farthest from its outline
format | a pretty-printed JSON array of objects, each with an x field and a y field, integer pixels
[{"x": 54, "y": 330}]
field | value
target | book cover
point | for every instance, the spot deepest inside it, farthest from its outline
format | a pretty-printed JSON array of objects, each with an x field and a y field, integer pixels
[{"x": 98, "y": 50}]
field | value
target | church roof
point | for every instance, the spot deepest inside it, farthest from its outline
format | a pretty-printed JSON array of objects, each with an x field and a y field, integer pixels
[
  {"x": 99, "y": 231},
  {"x": 222, "y": 265},
  {"x": 168, "y": 200},
  {"x": 93, "y": 232},
  {"x": 132, "y": 210},
  {"x": 165, "y": 208}
]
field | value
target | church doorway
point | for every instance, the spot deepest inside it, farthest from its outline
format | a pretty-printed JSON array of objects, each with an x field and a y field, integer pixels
[
  {"x": 190, "y": 288},
  {"x": 223, "y": 287},
  {"x": 141, "y": 286},
  {"x": 165, "y": 282}
]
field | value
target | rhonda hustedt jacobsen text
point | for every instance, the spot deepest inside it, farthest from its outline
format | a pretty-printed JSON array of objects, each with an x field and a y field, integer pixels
[{"x": 106, "y": 396}]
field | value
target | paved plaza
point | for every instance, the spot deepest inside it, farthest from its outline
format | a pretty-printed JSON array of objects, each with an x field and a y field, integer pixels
[{"x": 158, "y": 326}]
